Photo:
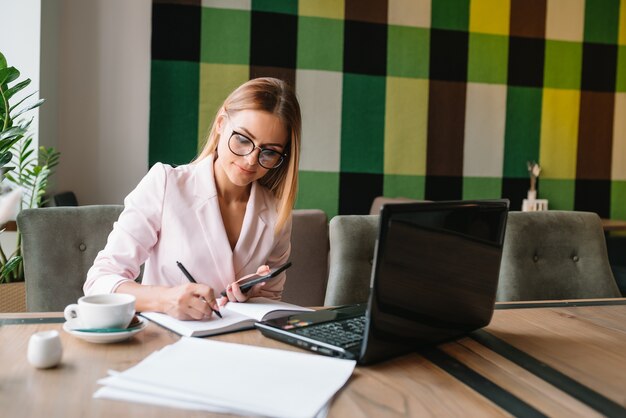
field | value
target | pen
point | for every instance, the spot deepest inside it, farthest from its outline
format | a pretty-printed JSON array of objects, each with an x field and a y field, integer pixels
[{"x": 192, "y": 280}]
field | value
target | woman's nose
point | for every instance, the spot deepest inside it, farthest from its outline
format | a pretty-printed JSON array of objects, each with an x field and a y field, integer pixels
[{"x": 253, "y": 157}]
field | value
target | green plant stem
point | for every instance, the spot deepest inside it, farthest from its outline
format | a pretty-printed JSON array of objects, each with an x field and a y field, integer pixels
[
  {"x": 13, "y": 275},
  {"x": 6, "y": 108},
  {"x": 18, "y": 251},
  {"x": 32, "y": 194},
  {"x": 3, "y": 256}
]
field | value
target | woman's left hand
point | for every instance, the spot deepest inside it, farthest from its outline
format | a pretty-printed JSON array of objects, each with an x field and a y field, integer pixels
[{"x": 234, "y": 293}]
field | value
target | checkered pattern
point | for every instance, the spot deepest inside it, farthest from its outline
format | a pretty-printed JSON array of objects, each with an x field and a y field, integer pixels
[{"x": 443, "y": 99}]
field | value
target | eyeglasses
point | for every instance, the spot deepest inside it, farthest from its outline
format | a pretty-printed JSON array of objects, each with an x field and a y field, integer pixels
[{"x": 241, "y": 145}]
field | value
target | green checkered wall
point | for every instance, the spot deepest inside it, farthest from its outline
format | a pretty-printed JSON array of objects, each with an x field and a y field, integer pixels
[{"x": 444, "y": 99}]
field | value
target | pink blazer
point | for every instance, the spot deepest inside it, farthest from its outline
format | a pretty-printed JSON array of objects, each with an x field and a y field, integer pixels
[{"x": 174, "y": 215}]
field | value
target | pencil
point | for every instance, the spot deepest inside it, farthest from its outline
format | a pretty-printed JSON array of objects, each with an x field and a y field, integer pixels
[{"x": 192, "y": 280}]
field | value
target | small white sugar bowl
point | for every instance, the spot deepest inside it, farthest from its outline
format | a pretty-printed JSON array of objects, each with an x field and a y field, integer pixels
[{"x": 44, "y": 349}]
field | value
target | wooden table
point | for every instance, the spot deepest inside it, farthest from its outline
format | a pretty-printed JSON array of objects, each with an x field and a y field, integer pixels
[{"x": 565, "y": 359}]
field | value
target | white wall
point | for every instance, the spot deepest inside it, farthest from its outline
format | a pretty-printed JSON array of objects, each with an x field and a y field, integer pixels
[
  {"x": 19, "y": 42},
  {"x": 103, "y": 96},
  {"x": 93, "y": 60}
]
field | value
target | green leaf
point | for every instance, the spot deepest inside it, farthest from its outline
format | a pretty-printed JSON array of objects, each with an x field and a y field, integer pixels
[
  {"x": 11, "y": 133},
  {"x": 5, "y": 159},
  {"x": 26, "y": 109},
  {"x": 49, "y": 157},
  {"x": 8, "y": 74},
  {"x": 25, "y": 155},
  {"x": 25, "y": 123},
  {"x": 3, "y": 61},
  {"x": 7, "y": 143},
  {"x": 19, "y": 86},
  {"x": 11, "y": 265},
  {"x": 21, "y": 101}
]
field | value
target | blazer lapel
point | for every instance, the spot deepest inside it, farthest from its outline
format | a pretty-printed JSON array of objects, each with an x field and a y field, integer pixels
[
  {"x": 255, "y": 224},
  {"x": 210, "y": 219}
]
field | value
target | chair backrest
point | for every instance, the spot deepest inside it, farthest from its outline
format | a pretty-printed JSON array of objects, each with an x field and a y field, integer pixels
[
  {"x": 616, "y": 247},
  {"x": 352, "y": 241},
  {"x": 555, "y": 255},
  {"x": 379, "y": 201},
  {"x": 59, "y": 245},
  {"x": 306, "y": 279}
]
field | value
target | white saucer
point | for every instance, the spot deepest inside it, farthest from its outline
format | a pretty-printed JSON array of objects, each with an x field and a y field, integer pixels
[{"x": 106, "y": 337}]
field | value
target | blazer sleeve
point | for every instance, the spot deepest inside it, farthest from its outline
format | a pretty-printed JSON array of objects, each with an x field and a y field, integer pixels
[
  {"x": 279, "y": 255},
  {"x": 133, "y": 235}
]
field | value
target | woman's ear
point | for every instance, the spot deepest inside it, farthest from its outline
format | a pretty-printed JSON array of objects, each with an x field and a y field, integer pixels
[{"x": 220, "y": 122}]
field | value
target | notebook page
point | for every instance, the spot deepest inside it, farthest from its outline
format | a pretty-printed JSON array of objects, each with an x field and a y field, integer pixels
[
  {"x": 258, "y": 308},
  {"x": 230, "y": 321}
]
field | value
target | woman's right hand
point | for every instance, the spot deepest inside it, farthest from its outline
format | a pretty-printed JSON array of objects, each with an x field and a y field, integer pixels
[{"x": 189, "y": 301}]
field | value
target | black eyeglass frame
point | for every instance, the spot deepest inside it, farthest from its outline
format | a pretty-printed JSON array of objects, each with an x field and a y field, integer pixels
[{"x": 254, "y": 146}]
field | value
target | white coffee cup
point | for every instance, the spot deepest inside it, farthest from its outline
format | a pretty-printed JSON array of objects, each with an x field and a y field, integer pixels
[
  {"x": 113, "y": 310},
  {"x": 44, "y": 349}
]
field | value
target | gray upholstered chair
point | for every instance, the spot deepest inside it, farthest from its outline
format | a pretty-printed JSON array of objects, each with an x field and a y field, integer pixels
[
  {"x": 306, "y": 279},
  {"x": 59, "y": 245},
  {"x": 352, "y": 240},
  {"x": 616, "y": 247},
  {"x": 555, "y": 255}
]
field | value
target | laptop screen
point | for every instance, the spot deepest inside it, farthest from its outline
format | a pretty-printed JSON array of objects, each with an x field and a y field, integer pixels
[{"x": 436, "y": 272}]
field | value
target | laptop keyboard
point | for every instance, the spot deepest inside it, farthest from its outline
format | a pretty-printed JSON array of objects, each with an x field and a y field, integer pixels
[{"x": 347, "y": 333}]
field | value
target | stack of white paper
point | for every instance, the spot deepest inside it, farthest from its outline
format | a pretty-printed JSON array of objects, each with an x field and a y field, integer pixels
[{"x": 231, "y": 378}]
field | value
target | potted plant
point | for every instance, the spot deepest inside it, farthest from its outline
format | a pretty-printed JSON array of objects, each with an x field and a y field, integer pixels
[{"x": 30, "y": 176}]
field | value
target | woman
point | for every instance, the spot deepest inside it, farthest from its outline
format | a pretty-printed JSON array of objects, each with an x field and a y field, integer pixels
[{"x": 222, "y": 216}]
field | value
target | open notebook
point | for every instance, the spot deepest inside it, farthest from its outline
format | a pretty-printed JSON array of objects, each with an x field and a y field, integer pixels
[{"x": 236, "y": 317}]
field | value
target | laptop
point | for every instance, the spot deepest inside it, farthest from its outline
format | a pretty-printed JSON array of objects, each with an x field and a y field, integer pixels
[{"x": 434, "y": 279}]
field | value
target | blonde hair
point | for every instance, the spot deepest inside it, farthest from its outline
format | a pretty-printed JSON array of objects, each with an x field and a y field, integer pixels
[{"x": 278, "y": 98}]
